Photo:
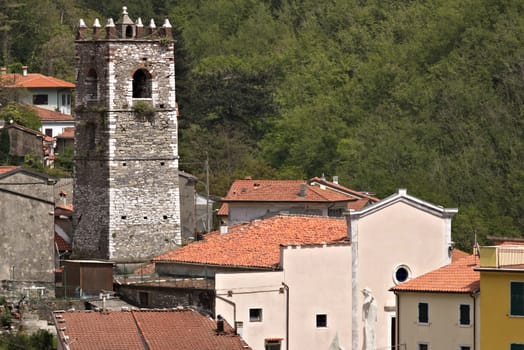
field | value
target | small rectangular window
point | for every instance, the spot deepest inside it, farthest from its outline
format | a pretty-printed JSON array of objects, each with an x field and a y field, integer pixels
[
  {"x": 423, "y": 346},
  {"x": 49, "y": 132},
  {"x": 272, "y": 344},
  {"x": 423, "y": 313},
  {"x": 321, "y": 321},
  {"x": 465, "y": 348},
  {"x": 63, "y": 100},
  {"x": 517, "y": 347},
  {"x": 143, "y": 299},
  {"x": 40, "y": 99},
  {"x": 464, "y": 315},
  {"x": 517, "y": 298},
  {"x": 255, "y": 315}
]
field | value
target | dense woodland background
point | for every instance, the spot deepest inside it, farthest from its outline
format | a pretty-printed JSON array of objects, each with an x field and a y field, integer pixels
[{"x": 423, "y": 95}]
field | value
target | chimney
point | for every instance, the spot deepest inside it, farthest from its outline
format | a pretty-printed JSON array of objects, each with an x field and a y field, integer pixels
[
  {"x": 239, "y": 328},
  {"x": 4, "y": 70},
  {"x": 223, "y": 229},
  {"x": 335, "y": 179},
  {"x": 24, "y": 71},
  {"x": 220, "y": 324},
  {"x": 302, "y": 190}
]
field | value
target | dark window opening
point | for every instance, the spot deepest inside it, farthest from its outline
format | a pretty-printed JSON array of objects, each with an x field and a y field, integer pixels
[
  {"x": 517, "y": 347},
  {"x": 91, "y": 133},
  {"x": 321, "y": 321},
  {"x": 162, "y": 163},
  {"x": 63, "y": 100},
  {"x": 143, "y": 298},
  {"x": 124, "y": 164},
  {"x": 142, "y": 84},
  {"x": 40, "y": 99},
  {"x": 423, "y": 313},
  {"x": 272, "y": 344},
  {"x": 49, "y": 132},
  {"x": 145, "y": 217},
  {"x": 423, "y": 346},
  {"x": 255, "y": 315},
  {"x": 402, "y": 274},
  {"x": 165, "y": 217},
  {"x": 464, "y": 315},
  {"x": 517, "y": 298},
  {"x": 91, "y": 85},
  {"x": 465, "y": 348},
  {"x": 129, "y": 32},
  {"x": 123, "y": 217}
]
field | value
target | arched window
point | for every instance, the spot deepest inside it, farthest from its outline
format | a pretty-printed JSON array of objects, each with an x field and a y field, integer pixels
[
  {"x": 141, "y": 84},
  {"x": 92, "y": 85}
]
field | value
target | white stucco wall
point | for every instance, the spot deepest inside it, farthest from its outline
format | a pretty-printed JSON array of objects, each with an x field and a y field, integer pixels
[
  {"x": 54, "y": 99},
  {"x": 398, "y": 234},
  {"x": 319, "y": 283},
  {"x": 443, "y": 320},
  {"x": 57, "y": 127}
]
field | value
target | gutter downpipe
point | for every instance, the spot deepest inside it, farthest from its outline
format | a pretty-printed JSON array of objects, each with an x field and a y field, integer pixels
[
  {"x": 397, "y": 325},
  {"x": 473, "y": 296},
  {"x": 287, "y": 314},
  {"x": 234, "y": 310}
]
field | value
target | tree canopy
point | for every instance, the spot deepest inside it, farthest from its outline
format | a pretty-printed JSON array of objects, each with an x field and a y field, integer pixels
[{"x": 423, "y": 95}]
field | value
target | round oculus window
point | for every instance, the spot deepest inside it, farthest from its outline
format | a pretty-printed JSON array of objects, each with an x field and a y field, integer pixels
[{"x": 401, "y": 274}]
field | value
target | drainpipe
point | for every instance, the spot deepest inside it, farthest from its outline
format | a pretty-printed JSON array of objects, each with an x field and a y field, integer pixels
[
  {"x": 473, "y": 296},
  {"x": 287, "y": 314},
  {"x": 397, "y": 322},
  {"x": 234, "y": 310}
]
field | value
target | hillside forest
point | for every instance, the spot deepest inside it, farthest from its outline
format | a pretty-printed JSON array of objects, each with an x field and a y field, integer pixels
[{"x": 386, "y": 94}]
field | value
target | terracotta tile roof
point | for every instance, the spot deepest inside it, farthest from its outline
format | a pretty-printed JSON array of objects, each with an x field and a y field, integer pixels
[
  {"x": 7, "y": 168},
  {"x": 457, "y": 277},
  {"x": 62, "y": 244},
  {"x": 457, "y": 254},
  {"x": 506, "y": 240},
  {"x": 68, "y": 133},
  {"x": 34, "y": 80},
  {"x": 49, "y": 115},
  {"x": 154, "y": 330},
  {"x": 339, "y": 187},
  {"x": 358, "y": 204},
  {"x": 28, "y": 130},
  {"x": 146, "y": 269},
  {"x": 281, "y": 191},
  {"x": 257, "y": 244},
  {"x": 224, "y": 210}
]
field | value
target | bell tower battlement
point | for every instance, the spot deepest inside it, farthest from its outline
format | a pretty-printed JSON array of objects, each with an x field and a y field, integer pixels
[{"x": 126, "y": 142}]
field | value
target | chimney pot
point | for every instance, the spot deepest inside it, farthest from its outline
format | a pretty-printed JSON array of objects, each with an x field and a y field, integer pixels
[
  {"x": 335, "y": 180},
  {"x": 302, "y": 190},
  {"x": 24, "y": 71}
]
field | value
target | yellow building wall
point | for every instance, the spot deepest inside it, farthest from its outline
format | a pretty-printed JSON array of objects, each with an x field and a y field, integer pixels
[{"x": 497, "y": 328}]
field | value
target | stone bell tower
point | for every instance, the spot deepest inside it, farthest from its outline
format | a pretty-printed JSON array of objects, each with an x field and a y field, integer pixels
[{"x": 126, "y": 200}]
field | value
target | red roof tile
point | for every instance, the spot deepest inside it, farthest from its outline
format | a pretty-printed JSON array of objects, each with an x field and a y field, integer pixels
[
  {"x": 7, "y": 168},
  {"x": 224, "y": 210},
  {"x": 457, "y": 254},
  {"x": 339, "y": 187},
  {"x": 49, "y": 115},
  {"x": 457, "y": 277},
  {"x": 154, "y": 330},
  {"x": 34, "y": 80},
  {"x": 62, "y": 244},
  {"x": 281, "y": 191},
  {"x": 257, "y": 244},
  {"x": 68, "y": 133}
]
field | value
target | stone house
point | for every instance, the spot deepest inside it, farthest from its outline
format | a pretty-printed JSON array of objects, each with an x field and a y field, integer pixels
[
  {"x": 26, "y": 213},
  {"x": 249, "y": 199},
  {"x": 25, "y": 141}
]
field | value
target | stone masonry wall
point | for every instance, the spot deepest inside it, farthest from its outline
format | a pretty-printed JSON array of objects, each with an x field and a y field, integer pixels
[{"x": 127, "y": 164}]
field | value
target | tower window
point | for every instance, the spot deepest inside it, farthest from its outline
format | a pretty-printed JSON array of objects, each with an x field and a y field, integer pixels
[
  {"x": 129, "y": 32},
  {"x": 92, "y": 85},
  {"x": 142, "y": 84}
]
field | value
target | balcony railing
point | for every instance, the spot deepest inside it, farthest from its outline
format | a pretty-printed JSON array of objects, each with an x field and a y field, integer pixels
[{"x": 501, "y": 256}]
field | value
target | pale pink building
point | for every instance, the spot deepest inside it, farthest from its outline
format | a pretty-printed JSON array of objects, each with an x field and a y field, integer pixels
[{"x": 314, "y": 299}]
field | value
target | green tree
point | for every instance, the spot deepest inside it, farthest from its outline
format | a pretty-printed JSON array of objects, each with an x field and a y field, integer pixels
[{"x": 22, "y": 115}]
